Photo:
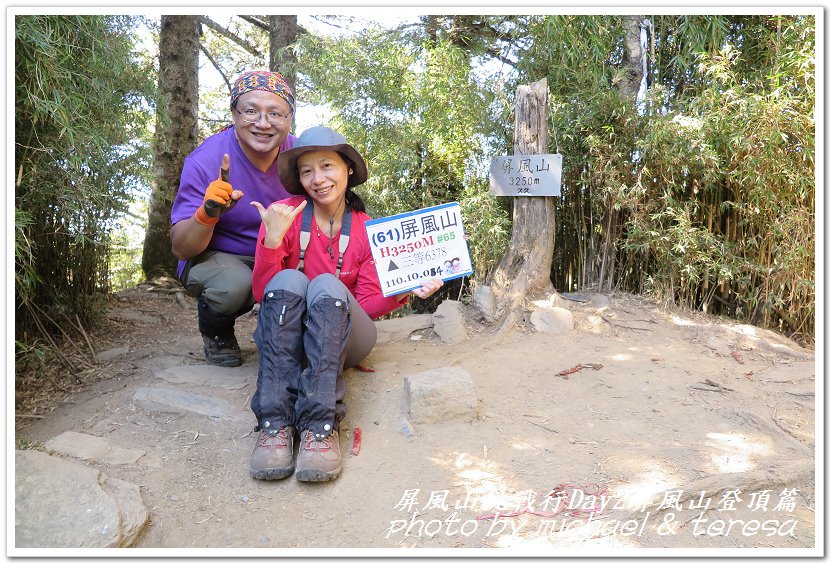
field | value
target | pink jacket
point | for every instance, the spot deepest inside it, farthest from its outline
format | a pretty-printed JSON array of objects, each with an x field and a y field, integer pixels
[{"x": 358, "y": 272}]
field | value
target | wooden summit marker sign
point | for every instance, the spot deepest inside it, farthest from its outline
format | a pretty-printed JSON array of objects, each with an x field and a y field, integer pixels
[
  {"x": 526, "y": 175},
  {"x": 525, "y": 267}
]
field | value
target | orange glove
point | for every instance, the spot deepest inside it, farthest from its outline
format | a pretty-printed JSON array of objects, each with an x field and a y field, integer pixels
[{"x": 218, "y": 197}]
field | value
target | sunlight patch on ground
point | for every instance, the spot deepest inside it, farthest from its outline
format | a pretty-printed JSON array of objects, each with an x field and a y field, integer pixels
[
  {"x": 621, "y": 357},
  {"x": 484, "y": 481},
  {"x": 737, "y": 451},
  {"x": 651, "y": 483},
  {"x": 576, "y": 536},
  {"x": 524, "y": 446},
  {"x": 682, "y": 322}
]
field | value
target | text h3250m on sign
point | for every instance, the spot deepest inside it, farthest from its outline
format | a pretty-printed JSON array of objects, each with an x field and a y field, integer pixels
[
  {"x": 412, "y": 247},
  {"x": 526, "y": 175}
]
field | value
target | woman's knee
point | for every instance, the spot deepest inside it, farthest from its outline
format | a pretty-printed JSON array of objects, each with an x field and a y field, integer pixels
[
  {"x": 293, "y": 281},
  {"x": 326, "y": 285}
]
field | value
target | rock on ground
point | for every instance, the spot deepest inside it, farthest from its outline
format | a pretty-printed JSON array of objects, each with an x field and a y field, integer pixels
[
  {"x": 390, "y": 330},
  {"x": 59, "y": 503},
  {"x": 88, "y": 447},
  {"x": 173, "y": 400},
  {"x": 448, "y": 322},
  {"x": 212, "y": 376},
  {"x": 556, "y": 320},
  {"x": 439, "y": 395}
]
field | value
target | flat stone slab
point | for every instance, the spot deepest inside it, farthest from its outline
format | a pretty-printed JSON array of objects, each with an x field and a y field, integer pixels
[
  {"x": 111, "y": 354},
  {"x": 556, "y": 320},
  {"x": 439, "y": 395},
  {"x": 92, "y": 448},
  {"x": 160, "y": 399},
  {"x": 60, "y": 503},
  {"x": 390, "y": 330},
  {"x": 212, "y": 376},
  {"x": 448, "y": 322},
  {"x": 785, "y": 373},
  {"x": 127, "y": 315},
  {"x": 155, "y": 364}
]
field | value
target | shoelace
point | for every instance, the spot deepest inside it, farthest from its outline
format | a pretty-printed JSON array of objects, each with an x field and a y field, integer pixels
[
  {"x": 269, "y": 434},
  {"x": 322, "y": 445}
]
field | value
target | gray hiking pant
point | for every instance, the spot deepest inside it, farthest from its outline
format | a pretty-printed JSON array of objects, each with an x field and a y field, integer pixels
[
  {"x": 307, "y": 333},
  {"x": 221, "y": 280}
]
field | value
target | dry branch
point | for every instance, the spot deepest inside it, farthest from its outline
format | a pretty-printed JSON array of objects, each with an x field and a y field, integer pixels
[{"x": 251, "y": 48}]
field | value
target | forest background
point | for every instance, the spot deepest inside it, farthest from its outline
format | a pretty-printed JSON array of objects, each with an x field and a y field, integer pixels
[{"x": 688, "y": 144}]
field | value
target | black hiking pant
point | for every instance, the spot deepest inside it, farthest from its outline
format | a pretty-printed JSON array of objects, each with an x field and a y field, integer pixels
[{"x": 307, "y": 333}]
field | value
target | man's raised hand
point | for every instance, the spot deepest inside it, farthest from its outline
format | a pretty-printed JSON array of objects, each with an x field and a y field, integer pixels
[{"x": 220, "y": 195}]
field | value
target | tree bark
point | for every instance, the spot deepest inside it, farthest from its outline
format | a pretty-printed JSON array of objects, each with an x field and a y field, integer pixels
[
  {"x": 632, "y": 57},
  {"x": 282, "y": 31},
  {"x": 176, "y": 134},
  {"x": 526, "y": 265}
]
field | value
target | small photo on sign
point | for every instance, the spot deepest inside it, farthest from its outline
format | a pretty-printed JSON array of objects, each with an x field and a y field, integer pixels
[{"x": 415, "y": 246}]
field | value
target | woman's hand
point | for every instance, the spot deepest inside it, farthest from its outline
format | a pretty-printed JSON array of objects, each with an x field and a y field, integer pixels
[
  {"x": 428, "y": 287},
  {"x": 277, "y": 219}
]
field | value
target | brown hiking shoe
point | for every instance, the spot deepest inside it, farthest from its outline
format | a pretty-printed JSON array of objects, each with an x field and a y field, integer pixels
[
  {"x": 318, "y": 459},
  {"x": 273, "y": 455}
]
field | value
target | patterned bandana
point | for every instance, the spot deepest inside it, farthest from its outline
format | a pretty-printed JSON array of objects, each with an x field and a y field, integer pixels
[{"x": 262, "y": 80}]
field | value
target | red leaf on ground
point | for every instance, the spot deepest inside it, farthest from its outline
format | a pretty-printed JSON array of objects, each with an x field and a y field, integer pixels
[{"x": 356, "y": 442}]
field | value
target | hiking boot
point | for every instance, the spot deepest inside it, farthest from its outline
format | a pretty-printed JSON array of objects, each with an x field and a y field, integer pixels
[
  {"x": 318, "y": 459},
  {"x": 273, "y": 455},
  {"x": 222, "y": 350}
]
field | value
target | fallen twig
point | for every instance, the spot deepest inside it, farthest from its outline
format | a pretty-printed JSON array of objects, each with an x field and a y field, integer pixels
[
  {"x": 206, "y": 519},
  {"x": 716, "y": 384},
  {"x": 88, "y": 343},
  {"x": 543, "y": 426},
  {"x": 709, "y": 385},
  {"x": 704, "y": 387},
  {"x": 616, "y": 324},
  {"x": 566, "y": 372}
]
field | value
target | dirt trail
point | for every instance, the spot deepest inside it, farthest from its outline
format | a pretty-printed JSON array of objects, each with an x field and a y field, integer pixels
[{"x": 685, "y": 411}]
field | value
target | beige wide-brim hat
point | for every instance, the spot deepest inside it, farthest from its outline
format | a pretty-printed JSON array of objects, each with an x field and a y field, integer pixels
[{"x": 313, "y": 139}]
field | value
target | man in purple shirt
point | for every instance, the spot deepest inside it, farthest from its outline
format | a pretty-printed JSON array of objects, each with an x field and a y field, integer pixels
[{"x": 215, "y": 239}]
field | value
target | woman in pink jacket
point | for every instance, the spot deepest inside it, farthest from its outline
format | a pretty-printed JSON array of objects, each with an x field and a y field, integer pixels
[{"x": 318, "y": 289}]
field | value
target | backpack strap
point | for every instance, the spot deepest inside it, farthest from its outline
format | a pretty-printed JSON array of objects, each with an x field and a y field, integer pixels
[
  {"x": 305, "y": 235},
  {"x": 345, "y": 230},
  {"x": 305, "y": 232}
]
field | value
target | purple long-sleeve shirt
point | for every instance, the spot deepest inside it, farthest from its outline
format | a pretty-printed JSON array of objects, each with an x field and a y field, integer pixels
[{"x": 236, "y": 231}]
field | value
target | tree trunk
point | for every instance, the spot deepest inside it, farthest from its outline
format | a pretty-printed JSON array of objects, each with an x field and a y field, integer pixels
[
  {"x": 632, "y": 58},
  {"x": 176, "y": 133},
  {"x": 629, "y": 86},
  {"x": 282, "y": 31},
  {"x": 526, "y": 265}
]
